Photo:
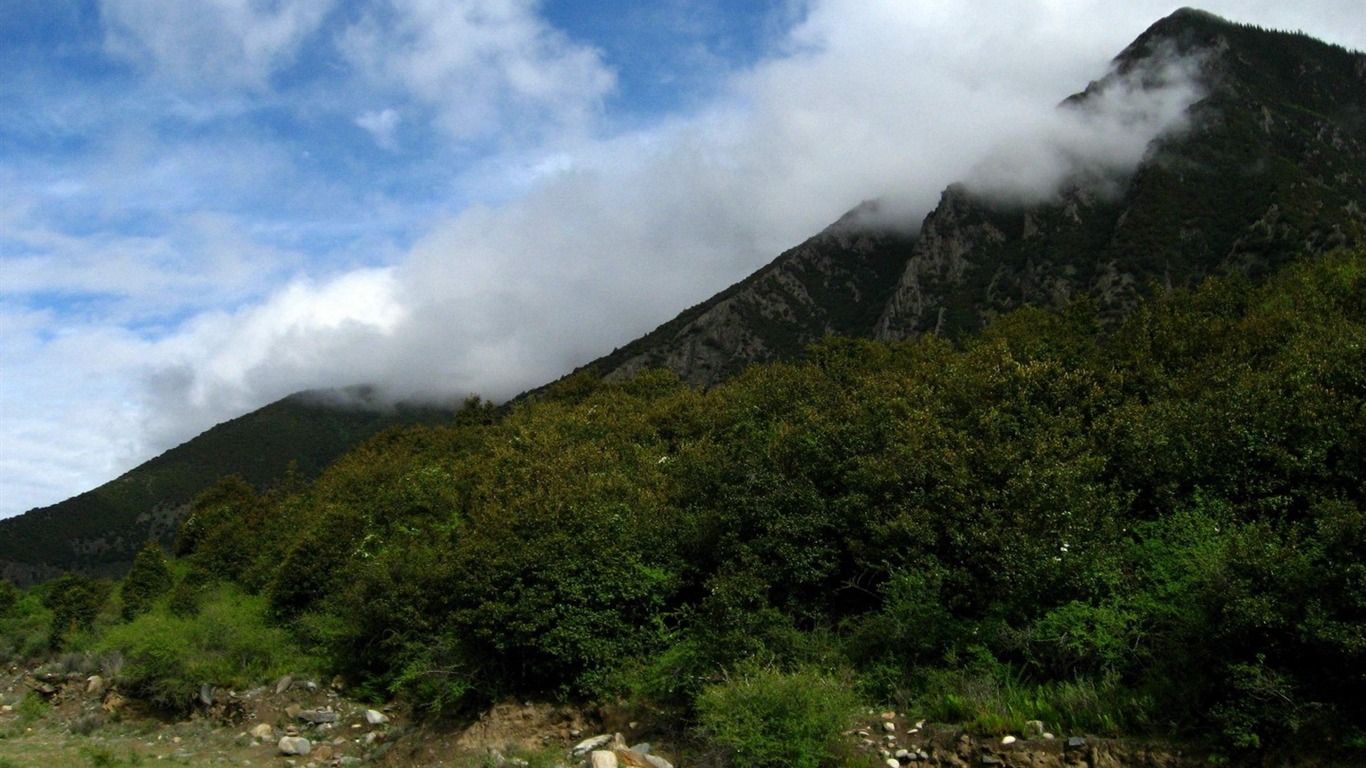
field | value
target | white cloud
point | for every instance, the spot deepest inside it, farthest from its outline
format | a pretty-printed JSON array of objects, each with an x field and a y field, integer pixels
[
  {"x": 608, "y": 240},
  {"x": 309, "y": 334},
  {"x": 382, "y": 125},
  {"x": 214, "y": 45},
  {"x": 482, "y": 66},
  {"x": 1094, "y": 143}
]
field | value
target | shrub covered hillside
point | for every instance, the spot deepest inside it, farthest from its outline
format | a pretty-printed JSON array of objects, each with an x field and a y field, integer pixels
[{"x": 1155, "y": 529}]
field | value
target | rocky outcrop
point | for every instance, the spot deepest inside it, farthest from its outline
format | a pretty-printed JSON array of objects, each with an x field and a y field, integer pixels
[
  {"x": 835, "y": 283},
  {"x": 945, "y": 255}
]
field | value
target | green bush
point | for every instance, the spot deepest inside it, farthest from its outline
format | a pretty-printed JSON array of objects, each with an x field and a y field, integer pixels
[
  {"x": 25, "y": 629},
  {"x": 228, "y": 643},
  {"x": 766, "y": 718},
  {"x": 32, "y": 707}
]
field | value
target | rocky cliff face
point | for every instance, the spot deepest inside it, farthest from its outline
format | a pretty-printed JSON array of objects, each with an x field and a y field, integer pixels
[{"x": 1271, "y": 166}]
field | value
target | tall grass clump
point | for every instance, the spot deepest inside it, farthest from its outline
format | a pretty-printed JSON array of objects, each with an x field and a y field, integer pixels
[{"x": 997, "y": 701}]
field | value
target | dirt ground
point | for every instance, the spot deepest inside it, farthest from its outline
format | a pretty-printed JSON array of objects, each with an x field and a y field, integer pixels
[{"x": 71, "y": 719}]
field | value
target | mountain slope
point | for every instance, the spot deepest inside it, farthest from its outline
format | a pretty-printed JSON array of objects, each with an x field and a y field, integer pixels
[
  {"x": 1273, "y": 165},
  {"x": 835, "y": 283},
  {"x": 99, "y": 531}
]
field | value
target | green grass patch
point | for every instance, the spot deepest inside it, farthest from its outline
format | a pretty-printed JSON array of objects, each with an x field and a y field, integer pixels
[{"x": 997, "y": 702}]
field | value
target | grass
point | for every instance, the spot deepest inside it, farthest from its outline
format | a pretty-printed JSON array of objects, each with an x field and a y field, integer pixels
[
  {"x": 995, "y": 704},
  {"x": 47, "y": 743}
]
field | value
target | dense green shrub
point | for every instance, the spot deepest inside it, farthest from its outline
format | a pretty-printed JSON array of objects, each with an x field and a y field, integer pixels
[
  {"x": 25, "y": 629},
  {"x": 767, "y": 718},
  {"x": 229, "y": 643},
  {"x": 75, "y": 601}
]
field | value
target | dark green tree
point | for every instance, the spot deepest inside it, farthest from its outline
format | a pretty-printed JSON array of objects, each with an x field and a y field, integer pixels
[
  {"x": 149, "y": 579},
  {"x": 9, "y": 595},
  {"x": 75, "y": 601}
]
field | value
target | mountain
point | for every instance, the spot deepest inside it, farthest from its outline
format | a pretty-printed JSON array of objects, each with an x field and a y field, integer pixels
[
  {"x": 99, "y": 531},
  {"x": 1271, "y": 166}
]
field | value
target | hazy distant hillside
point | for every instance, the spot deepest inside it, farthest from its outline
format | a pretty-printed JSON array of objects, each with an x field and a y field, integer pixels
[{"x": 99, "y": 531}]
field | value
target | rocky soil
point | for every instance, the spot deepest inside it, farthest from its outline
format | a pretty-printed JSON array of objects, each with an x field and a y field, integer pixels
[{"x": 74, "y": 719}]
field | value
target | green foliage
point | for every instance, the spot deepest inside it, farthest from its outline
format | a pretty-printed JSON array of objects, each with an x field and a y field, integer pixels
[
  {"x": 25, "y": 629},
  {"x": 990, "y": 698},
  {"x": 308, "y": 432},
  {"x": 229, "y": 643},
  {"x": 9, "y": 597},
  {"x": 767, "y": 718},
  {"x": 1158, "y": 528},
  {"x": 559, "y": 560},
  {"x": 31, "y": 708},
  {"x": 75, "y": 601},
  {"x": 103, "y": 757},
  {"x": 192, "y": 587},
  {"x": 149, "y": 579}
]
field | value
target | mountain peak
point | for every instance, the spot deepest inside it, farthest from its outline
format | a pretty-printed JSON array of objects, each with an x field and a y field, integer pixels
[{"x": 1273, "y": 156}]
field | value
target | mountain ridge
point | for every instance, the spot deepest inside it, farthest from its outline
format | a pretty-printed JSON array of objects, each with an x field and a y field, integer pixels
[
  {"x": 974, "y": 257},
  {"x": 98, "y": 532},
  {"x": 1271, "y": 166}
]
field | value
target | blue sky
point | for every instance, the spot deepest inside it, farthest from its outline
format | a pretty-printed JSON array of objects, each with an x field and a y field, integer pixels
[{"x": 208, "y": 204}]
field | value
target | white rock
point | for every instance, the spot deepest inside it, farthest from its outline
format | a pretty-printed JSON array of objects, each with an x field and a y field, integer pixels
[
  {"x": 262, "y": 731},
  {"x": 375, "y": 717},
  {"x": 892, "y": 762},
  {"x": 588, "y": 745},
  {"x": 1007, "y": 740},
  {"x": 294, "y": 745},
  {"x": 602, "y": 758},
  {"x": 889, "y": 726}
]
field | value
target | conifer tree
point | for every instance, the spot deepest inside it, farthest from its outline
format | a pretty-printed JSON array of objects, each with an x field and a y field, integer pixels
[{"x": 149, "y": 579}]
